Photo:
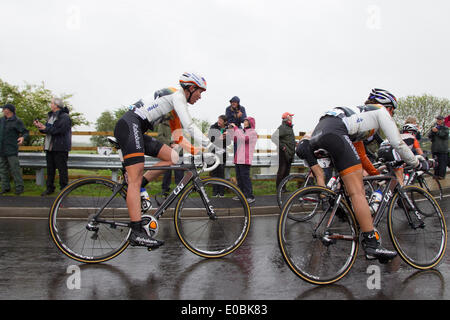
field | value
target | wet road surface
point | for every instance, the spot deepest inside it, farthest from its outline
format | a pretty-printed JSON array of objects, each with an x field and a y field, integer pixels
[{"x": 31, "y": 267}]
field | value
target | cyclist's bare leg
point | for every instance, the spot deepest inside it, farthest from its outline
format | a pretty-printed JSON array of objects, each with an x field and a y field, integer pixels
[
  {"x": 319, "y": 174},
  {"x": 168, "y": 157},
  {"x": 399, "y": 175},
  {"x": 353, "y": 183},
  {"x": 135, "y": 173}
]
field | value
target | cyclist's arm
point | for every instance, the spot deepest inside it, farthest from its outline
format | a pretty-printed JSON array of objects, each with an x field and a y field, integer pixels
[
  {"x": 417, "y": 147},
  {"x": 180, "y": 107},
  {"x": 177, "y": 135},
  {"x": 366, "y": 163},
  {"x": 390, "y": 130}
]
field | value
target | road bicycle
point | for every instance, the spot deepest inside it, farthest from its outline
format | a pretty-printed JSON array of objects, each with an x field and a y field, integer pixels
[
  {"x": 420, "y": 178},
  {"x": 89, "y": 219},
  {"x": 322, "y": 248},
  {"x": 295, "y": 181}
]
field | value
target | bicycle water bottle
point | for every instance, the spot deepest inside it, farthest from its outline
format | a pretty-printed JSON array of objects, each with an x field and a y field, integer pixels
[
  {"x": 145, "y": 200},
  {"x": 331, "y": 182},
  {"x": 375, "y": 200},
  {"x": 406, "y": 179}
]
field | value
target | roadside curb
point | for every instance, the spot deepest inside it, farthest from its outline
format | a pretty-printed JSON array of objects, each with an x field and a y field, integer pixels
[{"x": 41, "y": 213}]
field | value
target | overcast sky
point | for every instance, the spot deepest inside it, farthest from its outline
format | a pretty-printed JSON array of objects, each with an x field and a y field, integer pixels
[{"x": 298, "y": 56}]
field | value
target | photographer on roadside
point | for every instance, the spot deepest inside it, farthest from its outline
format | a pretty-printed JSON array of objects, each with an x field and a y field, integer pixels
[{"x": 439, "y": 146}]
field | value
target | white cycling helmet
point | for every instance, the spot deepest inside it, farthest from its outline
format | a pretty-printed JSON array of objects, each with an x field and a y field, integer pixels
[
  {"x": 192, "y": 79},
  {"x": 383, "y": 97},
  {"x": 411, "y": 128}
]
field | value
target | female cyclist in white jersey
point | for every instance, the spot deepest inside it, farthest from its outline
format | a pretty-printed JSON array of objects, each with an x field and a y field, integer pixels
[
  {"x": 129, "y": 132},
  {"x": 336, "y": 132}
]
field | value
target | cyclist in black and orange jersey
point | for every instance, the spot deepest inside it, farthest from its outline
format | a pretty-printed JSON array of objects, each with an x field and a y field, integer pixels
[
  {"x": 337, "y": 130},
  {"x": 129, "y": 132},
  {"x": 387, "y": 153}
]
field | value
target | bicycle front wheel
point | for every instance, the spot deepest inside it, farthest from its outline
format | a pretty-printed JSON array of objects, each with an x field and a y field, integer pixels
[
  {"x": 73, "y": 229},
  {"x": 323, "y": 248},
  {"x": 418, "y": 232},
  {"x": 212, "y": 238}
]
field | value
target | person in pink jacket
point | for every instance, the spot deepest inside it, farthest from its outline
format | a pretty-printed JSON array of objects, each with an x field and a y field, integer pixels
[{"x": 245, "y": 142}]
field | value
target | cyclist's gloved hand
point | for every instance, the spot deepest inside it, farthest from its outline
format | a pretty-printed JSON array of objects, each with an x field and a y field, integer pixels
[
  {"x": 423, "y": 165},
  {"x": 420, "y": 157}
]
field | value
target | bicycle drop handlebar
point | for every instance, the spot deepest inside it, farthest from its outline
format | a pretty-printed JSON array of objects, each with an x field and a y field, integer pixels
[{"x": 213, "y": 167}]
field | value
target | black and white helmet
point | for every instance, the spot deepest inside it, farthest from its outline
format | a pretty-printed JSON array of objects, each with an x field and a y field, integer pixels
[
  {"x": 383, "y": 97},
  {"x": 411, "y": 128}
]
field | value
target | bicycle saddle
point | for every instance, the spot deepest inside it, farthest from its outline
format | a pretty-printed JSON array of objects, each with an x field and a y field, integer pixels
[
  {"x": 321, "y": 153},
  {"x": 114, "y": 142}
]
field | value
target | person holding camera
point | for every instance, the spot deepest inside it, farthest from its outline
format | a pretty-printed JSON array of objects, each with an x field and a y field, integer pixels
[
  {"x": 439, "y": 146},
  {"x": 12, "y": 135},
  {"x": 57, "y": 143},
  {"x": 218, "y": 135}
]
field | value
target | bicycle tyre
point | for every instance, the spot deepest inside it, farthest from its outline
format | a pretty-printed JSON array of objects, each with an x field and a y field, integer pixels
[
  {"x": 422, "y": 245},
  {"x": 424, "y": 184},
  {"x": 310, "y": 253},
  {"x": 70, "y": 214},
  {"x": 206, "y": 237},
  {"x": 284, "y": 189}
]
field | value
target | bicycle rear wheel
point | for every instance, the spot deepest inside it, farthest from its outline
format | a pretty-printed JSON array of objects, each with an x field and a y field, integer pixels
[
  {"x": 206, "y": 237},
  {"x": 419, "y": 234},
  {"x": 71, "y": 225},
  {"x": 289, "y": 185},
  {"x": 318, "y": 253}
]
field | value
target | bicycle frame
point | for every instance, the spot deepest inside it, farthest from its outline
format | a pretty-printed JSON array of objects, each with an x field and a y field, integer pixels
[
  {"x": 190, "y": 175},
  {"x": 392, "y": 186}
]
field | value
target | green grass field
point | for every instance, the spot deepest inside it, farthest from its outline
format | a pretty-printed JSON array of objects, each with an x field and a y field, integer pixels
[{"x": 31, "y": 189}]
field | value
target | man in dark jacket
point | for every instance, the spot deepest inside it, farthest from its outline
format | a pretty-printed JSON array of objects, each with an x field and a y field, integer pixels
[
  {"x": 12, "y": 134},
  {"x": 284, "y": 138},
  {"x": 57, "y": 144},
  {"x": 439, "y": 146},
  {"x": 218, "y": 135},
  {"x": 235, "y": 113}
]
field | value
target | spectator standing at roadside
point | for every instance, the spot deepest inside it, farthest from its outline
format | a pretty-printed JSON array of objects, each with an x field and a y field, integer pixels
[
  {"x": 284, "y": 138},
  {"x": 235, "y": 113},
  {"x": 218, "y": 135},
  {"x": 245, "y": 142},
  {"x": 165, "y": 136},
  {"x": 57, "y": 143},
  {"x": 413, "y": 120},
  {"x": 439, "y": 146},
  {"x": 12, "y": 135}
]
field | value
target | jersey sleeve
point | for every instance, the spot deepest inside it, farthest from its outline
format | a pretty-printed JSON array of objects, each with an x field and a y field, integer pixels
[
  {"x": 365, "y": 161},
  {"x": 390, "y": 130},
  {"x": 181, "y": 108},
  {"x": 177, "y": 134}
]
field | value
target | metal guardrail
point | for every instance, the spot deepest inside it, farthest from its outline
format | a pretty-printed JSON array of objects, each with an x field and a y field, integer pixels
[
  {"x": 267, "y": 160},
  {"x": 112, "y": 162}
]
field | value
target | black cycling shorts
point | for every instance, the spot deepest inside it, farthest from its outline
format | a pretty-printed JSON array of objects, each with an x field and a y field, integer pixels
[
  {"x": 132, "y": 140},
  {"x": 304, "y": 152},
  {"x": 331, "y": 134}
]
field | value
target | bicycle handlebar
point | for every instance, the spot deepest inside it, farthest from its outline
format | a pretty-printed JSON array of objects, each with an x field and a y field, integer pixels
[{"x": 213, "y": 167}]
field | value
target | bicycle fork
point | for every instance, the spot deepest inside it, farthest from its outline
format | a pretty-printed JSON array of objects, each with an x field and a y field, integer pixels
[
  {"x": 209, "y": 207},
  {"x": 408, "y": 206}
]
